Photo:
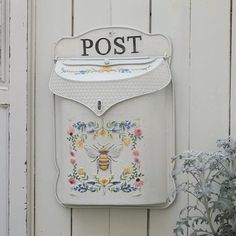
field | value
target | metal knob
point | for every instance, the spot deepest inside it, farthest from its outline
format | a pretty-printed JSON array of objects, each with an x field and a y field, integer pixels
[{"x": 106, "y": 61}]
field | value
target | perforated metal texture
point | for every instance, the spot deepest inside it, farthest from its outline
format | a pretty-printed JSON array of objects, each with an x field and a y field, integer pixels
[{"x": 110, "y": 93}]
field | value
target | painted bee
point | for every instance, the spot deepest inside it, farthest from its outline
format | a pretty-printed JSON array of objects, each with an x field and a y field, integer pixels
[{"x": 103, "y": 155}]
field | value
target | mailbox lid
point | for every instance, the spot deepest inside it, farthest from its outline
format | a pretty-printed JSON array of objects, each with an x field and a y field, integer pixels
[
  {"x": 104, "y": 69},
  {"x": 99, "y": 86}
]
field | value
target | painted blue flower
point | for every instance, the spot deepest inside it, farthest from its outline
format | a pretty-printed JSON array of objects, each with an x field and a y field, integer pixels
[
  {"x": 113, "y": 126},
  {"x": 79, "y": 125},
  {"x": 91, "y": 182},
  {"x": 115, "y": 182},
  {"x": 81, "y": 188},
  {"x": 127, "y": 188},
  {"x": 90, "y": 127},
  {"x": 122, "y": 70},
  {"x": 129, "y": 124},
  {"x": 82, "y": 72},
  {"x": 115, "y": 129}
]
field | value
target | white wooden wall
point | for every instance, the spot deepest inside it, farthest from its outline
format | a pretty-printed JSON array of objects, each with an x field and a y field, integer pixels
[
  {"x": 204, "y": 72},
  {"x": 13, "y": 118}
]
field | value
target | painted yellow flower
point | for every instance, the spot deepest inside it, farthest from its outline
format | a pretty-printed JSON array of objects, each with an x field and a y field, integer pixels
[
  {"x": 126, "y": 141},
  {"x": 103, "y": 181},
  {"x": 81, "y": 171},
  {"x": 102, "y": 132},
  {"x": 127, "y": 171},
  {"x": 79, "y": 143},
  {"x": 105, "y": 69}
]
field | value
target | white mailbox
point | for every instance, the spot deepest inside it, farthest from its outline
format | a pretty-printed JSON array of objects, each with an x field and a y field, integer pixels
[{"x": 114, "y": 119}]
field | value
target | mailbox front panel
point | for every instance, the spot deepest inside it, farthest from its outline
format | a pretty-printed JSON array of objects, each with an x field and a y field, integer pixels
[{"x": 117, "y": 159}]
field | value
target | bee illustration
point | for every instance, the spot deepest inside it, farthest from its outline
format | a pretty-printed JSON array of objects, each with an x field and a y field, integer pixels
[{"x": 104, "y": 155}]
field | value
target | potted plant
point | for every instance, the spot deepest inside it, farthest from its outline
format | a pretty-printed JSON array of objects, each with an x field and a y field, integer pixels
[{"x": 211, "y": 185}]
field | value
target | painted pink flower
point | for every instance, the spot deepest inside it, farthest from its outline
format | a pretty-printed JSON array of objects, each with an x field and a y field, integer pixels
[
  {"x": 136, "y": 152},
  {"x": 138, "y": 133},
  {"x": 137, "y": 160},
  {"x": 72, "y": 161},
  {"x": 138, "y": 183},
  {"x": 72, "y": 180},
  {"x": 70, "y": 131}
]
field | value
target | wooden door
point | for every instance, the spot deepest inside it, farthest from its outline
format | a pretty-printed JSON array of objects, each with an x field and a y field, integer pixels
[
  {"x": 200, "y": 32},
  {"x": 13, "y": 116}
]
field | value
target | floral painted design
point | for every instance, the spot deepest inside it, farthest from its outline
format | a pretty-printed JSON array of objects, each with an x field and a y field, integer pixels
[
  {"x": 127, "y": 131},
  {"x": 130, "y": 179},
  {"x": 104, "y": 69}
]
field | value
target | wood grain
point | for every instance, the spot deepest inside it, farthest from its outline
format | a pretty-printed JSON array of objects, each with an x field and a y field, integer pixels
[
  {"x": 131, "y": 13},
  {"x": 18, "y": 117},
  {"x": 89, "y": 14},
  {"x": 53, "y": 20},
  {"x": 4, "y": 169},
  {"x": 172, "y": 18},
  {"x": 233, "y": 73},
  {"x": 210, "y": 74}
]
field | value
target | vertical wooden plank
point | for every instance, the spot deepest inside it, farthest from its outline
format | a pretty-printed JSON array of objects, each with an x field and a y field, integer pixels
[
  {"x": 17, "y": 126},
  {"x": 4, "y": 170},
  {"x": 233, "y": 73},
  {"x": 87, "y": 222},
  {"x": 31, "y": 118},
  {"x": 210, "y": 74},
  {"x": 130, "y": 13},
  {"x": 89, "y": 14},
  {"x": 53, "y": 20},
  {"x": 131, "y": 222},
  {"x": 172, "y": 18},
  {"x": 4, "y": 41}
]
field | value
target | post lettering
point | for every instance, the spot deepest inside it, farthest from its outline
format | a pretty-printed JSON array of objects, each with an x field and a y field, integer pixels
[
  {"x": 121, "y": 46},
  {"x": 134, "y": 42},
  {"x": 87, "y": 43},
  {"x": 108, "y": 46},
  {"x": 118, "y": 45}
]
